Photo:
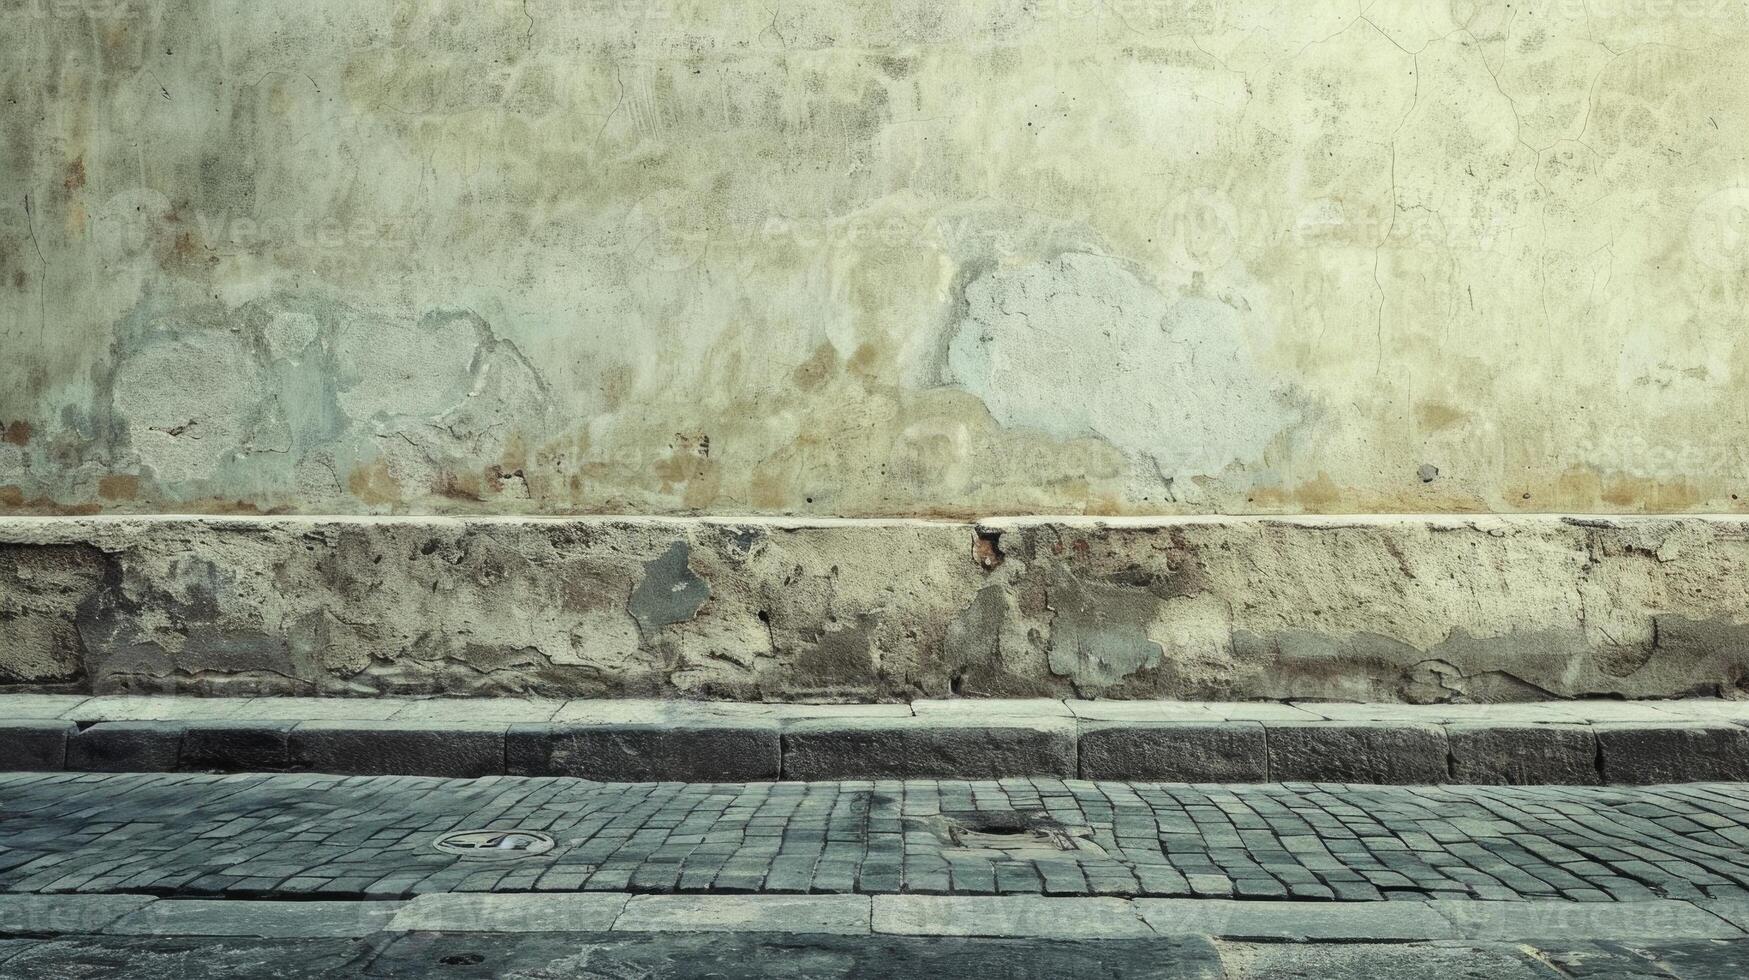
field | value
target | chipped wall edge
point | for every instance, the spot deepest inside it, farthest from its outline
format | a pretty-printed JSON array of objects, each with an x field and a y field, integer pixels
[{"x": 1375, "y": 608}]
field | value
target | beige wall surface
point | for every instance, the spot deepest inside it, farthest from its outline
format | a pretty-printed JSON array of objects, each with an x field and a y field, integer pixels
[{"x": 907, "y": 257}]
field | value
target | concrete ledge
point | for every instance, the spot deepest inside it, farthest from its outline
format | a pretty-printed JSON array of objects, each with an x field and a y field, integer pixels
[
  {"x": 1380, "y": 609},
  {"x": 1562, "y": 742}
]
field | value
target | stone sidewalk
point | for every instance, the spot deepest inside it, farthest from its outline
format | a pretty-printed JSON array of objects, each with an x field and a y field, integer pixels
[
  {"x": 312, "y": 836},
  {"x": 1558, "y": 742},
  {"x": 981, "y": 917},
  {"x": 764, "y": 955}
]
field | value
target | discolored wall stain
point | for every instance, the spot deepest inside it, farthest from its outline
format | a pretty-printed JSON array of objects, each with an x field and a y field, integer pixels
[
  {"x": 891, "y": 259},
  {"x": 669, "y": 591},
  {"x": 1079, "y": 346}
]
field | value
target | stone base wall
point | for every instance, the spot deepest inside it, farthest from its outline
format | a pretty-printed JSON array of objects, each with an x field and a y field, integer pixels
[{"x": 1410, "y": 609}]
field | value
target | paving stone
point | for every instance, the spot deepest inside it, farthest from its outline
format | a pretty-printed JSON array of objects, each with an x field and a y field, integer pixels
[
  {"x": 837, "y": 914},
  {"x": 269, "y": 920},
  {"x": 537, "y": 912},
  {"x": 237, "y": 746},
  {"x": 1374, "y": 961},
  {"x": 151, "y": 707},
  {"x": 1195, "y": 752},
  {"x": 1672, "y": 752},
  {"x": 1297, "y": 921},
  {"x": 985, "y": 710},
  {"x": 478, "y": 710},
  {"x": 173, "y": 958},
  {"x": 1545, "y": 920},
  {"x": 780, "y": 956},
  {"x": 1008, "y": 915},
  {"x": 1732, "y": 910},
  {"x": 42, "y": 915},
  {"x": 1606, "y": 960},
  {"x": 322, "y": 836},
  {"x": 1522, "y": 755},
  {"x": 671, "y": 711},
  {"x": 634, "y": 753},
  {"x": 922, "y": 749},
  {"x": 319, "y": 709},
  {"x": 126, "y": 746},
  {"x": 1356, "y": 752},
  {"x": 18, "y": 706},
  {"x": 34, "y": 745},
  {"x": 392, "y": 748},
  {"x": 1147, "y": 711},
  {"x": 1264, "y": 711}
]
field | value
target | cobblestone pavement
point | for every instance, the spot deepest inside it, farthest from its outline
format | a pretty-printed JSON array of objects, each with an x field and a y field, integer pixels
[{"x": 316, "y": 835}]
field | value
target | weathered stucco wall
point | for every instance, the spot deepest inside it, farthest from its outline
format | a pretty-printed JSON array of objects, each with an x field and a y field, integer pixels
[
  {"x": 876, "y": 257},
  {"x": 1468, "y": 609}
]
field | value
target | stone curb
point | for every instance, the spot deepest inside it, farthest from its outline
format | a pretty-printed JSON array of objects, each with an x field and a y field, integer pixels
[
  {"x": 735, "y": 743},
  {"x": 903, "y": 915},
  {"x": 645, "y": 753},
  {"x": 919, "y": 748}
]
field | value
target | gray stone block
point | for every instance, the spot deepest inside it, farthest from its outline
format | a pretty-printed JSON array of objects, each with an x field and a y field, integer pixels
[
  {"x": 386, "y": 748},
  {"x": 1673, "y": 752},
  {"x": 237, "y": 746},
  {"x": 126, "y": 746},
  {"x": 1356, "y": 752},
  {"x": 1523, "y": 755},
  {"x": 645, "y": 753},
  {"x": 919, "y": 748},
  {"x": 1191, "y": 752},
  {"x": 34, "y": 745}
]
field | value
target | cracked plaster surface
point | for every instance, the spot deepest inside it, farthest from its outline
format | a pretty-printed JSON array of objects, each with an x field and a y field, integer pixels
[
  {"x": 874, "y": 259},
  {"x": 1448, "y": 609}
]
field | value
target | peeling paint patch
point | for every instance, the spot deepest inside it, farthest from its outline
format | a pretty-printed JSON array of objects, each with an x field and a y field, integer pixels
[
  {"x": 1080, "y": 346},
  {"x": 1099, "y": 632},
  {"x": 669, "y": 592}
]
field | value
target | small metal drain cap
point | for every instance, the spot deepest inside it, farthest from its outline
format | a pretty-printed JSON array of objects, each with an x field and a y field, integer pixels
[{"x": 495, "y": 843}]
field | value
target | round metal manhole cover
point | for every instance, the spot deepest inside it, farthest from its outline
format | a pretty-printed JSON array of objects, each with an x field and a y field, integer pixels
[{"x": 495, "y": 843}]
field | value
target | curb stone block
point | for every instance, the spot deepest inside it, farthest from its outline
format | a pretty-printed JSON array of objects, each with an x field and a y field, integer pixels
[
  {"x": 33, "y": 745},
  {"x": 384, "y": 748},
  {"x": 1406, "y": 921},
  {"x": 1523, "y": 755},
  {"x": 256, "y": 919},
  {"x": 39, "y": 915},
  {"x": 126, "y": 746},
  {"x": 811, "y": 914},
  {"x": 643, "y": 753},
  {"x": 875, "y": 748},
  {"x": 1189, "y": 752},
  {"x": 237, "y": 746},
  {"x": 1674, "y": 752},
  {"x": 1356, "y": 752}
]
